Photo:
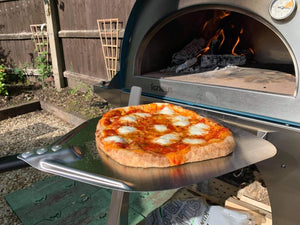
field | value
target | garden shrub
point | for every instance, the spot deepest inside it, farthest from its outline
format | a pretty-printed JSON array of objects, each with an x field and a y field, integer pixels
[{"x": 3, "y": 87}]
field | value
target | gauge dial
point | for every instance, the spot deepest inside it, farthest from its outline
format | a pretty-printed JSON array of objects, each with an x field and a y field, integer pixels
[{"x": 282, "y": 9}]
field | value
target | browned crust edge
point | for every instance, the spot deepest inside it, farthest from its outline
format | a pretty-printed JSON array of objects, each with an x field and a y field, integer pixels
[{"x": 211, "y": 151}]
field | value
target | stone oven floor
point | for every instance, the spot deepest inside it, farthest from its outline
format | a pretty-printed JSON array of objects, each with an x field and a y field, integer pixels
[{"x": 263, "y": 80}]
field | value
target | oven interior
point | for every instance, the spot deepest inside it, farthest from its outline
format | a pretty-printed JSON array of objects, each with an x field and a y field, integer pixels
[{"x": 217, "y": 47}]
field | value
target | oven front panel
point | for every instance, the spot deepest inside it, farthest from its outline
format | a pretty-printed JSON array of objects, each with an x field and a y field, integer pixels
[{"x": 148, "y": 17}]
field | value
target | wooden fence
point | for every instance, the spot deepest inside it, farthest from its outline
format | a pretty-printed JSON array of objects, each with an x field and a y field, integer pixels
[{"x": 76, "y": 51}]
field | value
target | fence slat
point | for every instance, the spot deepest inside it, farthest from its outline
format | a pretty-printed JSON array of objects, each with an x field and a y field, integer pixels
[{"x": 55, "y": 46}]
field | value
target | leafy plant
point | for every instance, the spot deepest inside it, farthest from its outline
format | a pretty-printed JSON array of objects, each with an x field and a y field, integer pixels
[
  {"x": 19, "y": 74},
  {"x": 3, "y": 87},
  {"x": 41, "y": 61},
  {"x": 43, "y": 66},
  {"x": 85, "y": 87}
]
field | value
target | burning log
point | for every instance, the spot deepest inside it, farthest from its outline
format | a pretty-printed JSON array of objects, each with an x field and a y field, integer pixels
[
  {"x": 213, "y": 61},
  {"x": 189, "y": 51},
  {"x": 207, "y": 61},
  {"x": 187, "y": 64}
]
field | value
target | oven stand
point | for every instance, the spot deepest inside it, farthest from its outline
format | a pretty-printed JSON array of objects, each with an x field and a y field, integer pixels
[{"x": 118, "y": 210}]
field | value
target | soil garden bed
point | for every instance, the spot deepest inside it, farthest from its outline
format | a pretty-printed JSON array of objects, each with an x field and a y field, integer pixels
[{"x": 80, "y": 101}]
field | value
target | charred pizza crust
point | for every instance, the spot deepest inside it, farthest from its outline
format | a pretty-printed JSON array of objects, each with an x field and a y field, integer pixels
[{"x": 134, "y": 155}]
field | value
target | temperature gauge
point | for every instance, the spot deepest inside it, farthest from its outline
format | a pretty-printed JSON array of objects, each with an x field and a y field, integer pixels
[{"x": 282, "y": 9}]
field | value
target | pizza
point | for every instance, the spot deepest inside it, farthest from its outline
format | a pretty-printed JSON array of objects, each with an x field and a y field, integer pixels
[{"x": 160, "y": 135}]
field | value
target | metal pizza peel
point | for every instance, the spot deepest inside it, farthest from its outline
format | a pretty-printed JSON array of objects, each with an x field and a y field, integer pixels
[{"x": 75, "y": 156}]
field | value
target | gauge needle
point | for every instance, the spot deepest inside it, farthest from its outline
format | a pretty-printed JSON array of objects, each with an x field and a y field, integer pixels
[{"x": 284, "y": 7}]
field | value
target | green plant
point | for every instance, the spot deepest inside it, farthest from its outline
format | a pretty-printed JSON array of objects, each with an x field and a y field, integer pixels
[
  {"x": 19, "y": 74},
  {"x": 83, "y": 87},
  {"x": 3, "y": 87},
  {"x": 89, "y": 91},
  {"x": 43, "y": 66},
  {"x": 74, "y": 90},
  {"x": 41, "y": 62}
]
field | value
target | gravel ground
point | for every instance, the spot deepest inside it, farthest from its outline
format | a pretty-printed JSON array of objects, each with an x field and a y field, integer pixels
[{"x": 20, "y": 134}]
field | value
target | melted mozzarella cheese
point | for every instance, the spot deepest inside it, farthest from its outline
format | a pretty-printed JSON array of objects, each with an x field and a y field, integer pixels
[
  {"x": 160, "y": 128},
  {"x": 165, "y": 139},
  {"x": 198, "y": 129},
  {"x": 126, "y": 130},
  {"x": 180, "y": 121},
  {"x": 166, "y": 111},
  {"x": 193, "y": 141},
  {"x": 143, "y": 115},
  {"x": 130, "y": 118},
  {"x": 114, "y": 139}
]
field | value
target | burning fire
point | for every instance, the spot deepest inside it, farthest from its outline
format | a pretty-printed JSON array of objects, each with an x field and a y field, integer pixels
[
  {"x": 236, "y": 43},
  {"x": 219, "y": 34},
  {"x": 220, "y": 44}
]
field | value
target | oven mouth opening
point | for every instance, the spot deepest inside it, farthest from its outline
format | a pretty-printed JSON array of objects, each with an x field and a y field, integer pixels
[{"x": 217, "y": 47}]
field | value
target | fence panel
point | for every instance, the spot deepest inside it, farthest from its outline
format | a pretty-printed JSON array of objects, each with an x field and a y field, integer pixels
[
  {"x": 78, "y": 33},
  {"x": 80, "y": 37},
  {"x": 16, "y": 47}
]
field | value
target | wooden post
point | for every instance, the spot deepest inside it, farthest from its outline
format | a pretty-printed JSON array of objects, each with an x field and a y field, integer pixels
[{"x": 54, "y": 42}]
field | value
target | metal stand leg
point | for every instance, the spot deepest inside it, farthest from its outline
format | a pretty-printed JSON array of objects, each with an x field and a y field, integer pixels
[
  {"x": 119, "y": 203},
  {"x": 135, "y": 95},
  {"x": 118, "y": 210},
  {"x": 124, "y": 209}
]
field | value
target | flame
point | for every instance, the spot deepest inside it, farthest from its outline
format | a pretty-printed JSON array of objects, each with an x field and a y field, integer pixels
[
  {"x": 219, "y": 34},
  {"x": 218, "y": 16},
  {"x": 205, "y": 25},
  {"x": 222, "y": 14},
  {"x": 236, "y": 43},
  {"x": 251, "y": 50},
  {"x": 223, "y": 37},
  {"x": 203, "y": 51}
]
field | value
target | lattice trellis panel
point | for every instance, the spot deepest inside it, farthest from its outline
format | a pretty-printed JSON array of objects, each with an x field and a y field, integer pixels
[
  {"x": 40, "y": 39},
  {"x": 109, "y": 37}
]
